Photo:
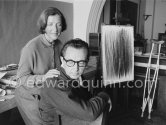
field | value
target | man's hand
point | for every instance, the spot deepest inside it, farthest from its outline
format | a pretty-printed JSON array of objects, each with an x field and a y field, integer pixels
[{"x": 50, "y": 74}]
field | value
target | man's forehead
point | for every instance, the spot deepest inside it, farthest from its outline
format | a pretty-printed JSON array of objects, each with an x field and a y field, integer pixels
[{"x": 76, "y": 52}]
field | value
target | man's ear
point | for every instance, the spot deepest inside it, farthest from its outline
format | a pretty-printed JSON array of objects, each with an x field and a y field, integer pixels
[
  {"x": 61, "y": 58},
  {"x": 62, "y": 61}
]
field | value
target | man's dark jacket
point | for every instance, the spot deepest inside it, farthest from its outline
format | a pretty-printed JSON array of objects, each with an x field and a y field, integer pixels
[{"x": 67, "y": 98}]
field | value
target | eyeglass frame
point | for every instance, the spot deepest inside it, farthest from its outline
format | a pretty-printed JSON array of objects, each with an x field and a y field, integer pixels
[{"x": 74, "y": 62}]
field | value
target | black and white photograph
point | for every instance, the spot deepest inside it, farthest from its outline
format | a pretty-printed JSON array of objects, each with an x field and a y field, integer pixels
[{"x": 82, "y": 62}]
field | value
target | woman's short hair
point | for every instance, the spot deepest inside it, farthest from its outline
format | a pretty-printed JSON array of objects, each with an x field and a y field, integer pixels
[
  {"x": 42, "y": 21},
  {"x": 75, "y": 43}
]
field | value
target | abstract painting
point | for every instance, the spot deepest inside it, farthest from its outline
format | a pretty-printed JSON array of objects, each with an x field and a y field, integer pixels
[{"x": 117, "y": 50}]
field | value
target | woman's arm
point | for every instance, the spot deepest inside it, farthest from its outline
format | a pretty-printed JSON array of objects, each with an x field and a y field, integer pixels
[{"x": 25, "y": 73}]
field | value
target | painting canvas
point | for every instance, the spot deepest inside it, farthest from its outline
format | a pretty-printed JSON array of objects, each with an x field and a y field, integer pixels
[{"x": 117, "y": 43}]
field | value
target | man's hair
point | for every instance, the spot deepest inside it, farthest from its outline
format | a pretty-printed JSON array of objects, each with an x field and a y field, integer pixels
[
  {"x": 42, "y": 21},
  {"x": 75, "y": 43}
]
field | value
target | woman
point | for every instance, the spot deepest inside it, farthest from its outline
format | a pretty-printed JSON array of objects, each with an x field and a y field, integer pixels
[{"x": 38, "y": 61}]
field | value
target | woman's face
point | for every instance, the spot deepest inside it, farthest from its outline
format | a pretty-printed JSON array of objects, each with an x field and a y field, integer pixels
[{"x": 53, "y": 28}]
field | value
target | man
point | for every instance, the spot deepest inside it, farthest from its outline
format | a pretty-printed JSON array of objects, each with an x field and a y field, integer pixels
[{"x": 67, "y": 95}]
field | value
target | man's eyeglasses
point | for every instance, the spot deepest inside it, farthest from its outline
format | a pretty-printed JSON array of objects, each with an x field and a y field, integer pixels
[{"x": 71, "y": 63}]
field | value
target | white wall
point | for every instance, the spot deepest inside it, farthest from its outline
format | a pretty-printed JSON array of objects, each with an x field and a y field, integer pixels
[
  {"x": 81, "y": 14},
  {"x": 160, "y": 18},
  {"x": 148, "y": 23},
  {"x": 141, "y": 20},
  {"x": 156, "y": 23}
]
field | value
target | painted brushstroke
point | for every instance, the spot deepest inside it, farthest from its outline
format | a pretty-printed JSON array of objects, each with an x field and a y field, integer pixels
[{"x": 117, "y": 53}]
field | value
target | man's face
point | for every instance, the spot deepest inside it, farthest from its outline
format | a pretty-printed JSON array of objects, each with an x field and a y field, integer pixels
[{"x": 73, "y": 54}]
